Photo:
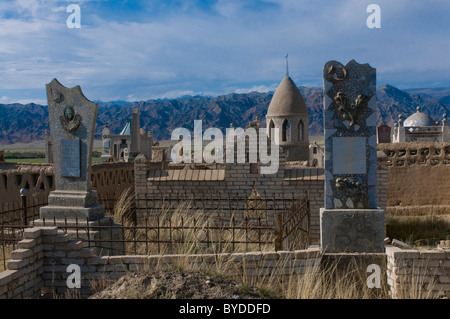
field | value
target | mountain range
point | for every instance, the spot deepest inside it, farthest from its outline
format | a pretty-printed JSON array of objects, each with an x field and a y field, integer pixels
[{"x": 26, "y": 123}]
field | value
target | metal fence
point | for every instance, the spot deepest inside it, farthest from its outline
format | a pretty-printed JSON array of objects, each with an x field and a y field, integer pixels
[
  {"x": 293, "y": 228},
  {"x": 21, "y": 213},
  {"x": 172, "y": 231}
]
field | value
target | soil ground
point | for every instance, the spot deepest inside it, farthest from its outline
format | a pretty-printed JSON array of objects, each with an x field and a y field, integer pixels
[{"x": 173, "y": 284}]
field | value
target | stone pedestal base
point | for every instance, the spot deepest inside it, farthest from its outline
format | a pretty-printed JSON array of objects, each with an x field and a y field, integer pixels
[
  {"x": 72, "y": 205},
  {"x": 352, "y": 230},
  {"x": 82, "y": 213},
  {"x": 106, "y": 240}
]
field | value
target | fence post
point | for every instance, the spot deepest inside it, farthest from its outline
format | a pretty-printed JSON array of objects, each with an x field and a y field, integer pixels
[
  {"x": 278, "y": 232},
  {"x": 23, "y": 194}
]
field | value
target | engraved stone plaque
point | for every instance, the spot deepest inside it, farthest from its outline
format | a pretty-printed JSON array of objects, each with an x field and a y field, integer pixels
[
  {"x": 70, "y": 157},
  {"x": 349, "y": 155}
]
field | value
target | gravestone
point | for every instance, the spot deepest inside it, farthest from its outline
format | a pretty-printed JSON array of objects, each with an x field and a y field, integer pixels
[
  {"x": 106, "y": 145},
  {"x": 72, "y": 124},
  {"x": 384, "y": 134},
  {"x": 350, "y": 220},
  {"x": 73, "y": 202}
]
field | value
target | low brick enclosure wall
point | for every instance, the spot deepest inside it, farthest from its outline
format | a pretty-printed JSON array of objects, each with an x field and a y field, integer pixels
[
  {"x": 425, "y": 272},
  {"x": 40, "y": 264}
]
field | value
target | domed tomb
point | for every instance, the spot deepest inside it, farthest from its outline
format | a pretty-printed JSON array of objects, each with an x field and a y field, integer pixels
[{"x": 419, "y": 119}]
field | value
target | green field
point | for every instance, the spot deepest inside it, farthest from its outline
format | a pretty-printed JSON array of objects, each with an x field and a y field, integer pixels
[
  {"x": 37, "y": 160},
  {"x": 25, "y": 160},
  {"x": 20, "y": 153}
]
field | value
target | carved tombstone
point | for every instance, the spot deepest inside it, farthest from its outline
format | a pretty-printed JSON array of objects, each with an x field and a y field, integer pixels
[
  {"x": 106, "y": 145},
  {"x": 350, "y": 221},
  {"x": 72, "y": 124}
]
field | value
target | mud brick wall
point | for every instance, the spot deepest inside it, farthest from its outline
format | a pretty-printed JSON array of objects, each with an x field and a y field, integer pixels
[
  {"x": 424, "y": 273},
  {"x": 416, "y": 182},
  {"x": 107, "y": 179}
]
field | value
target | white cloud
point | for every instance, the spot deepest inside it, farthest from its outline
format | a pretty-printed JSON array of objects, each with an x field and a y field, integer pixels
[
  {"x": 235, "y": 47},
  {"x": 8, "y": 100},
  {"x": 178, "y": 93},
  {"x": 258, "y": 88}
]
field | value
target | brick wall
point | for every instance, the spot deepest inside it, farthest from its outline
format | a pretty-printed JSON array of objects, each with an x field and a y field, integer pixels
[
  {"x": 219, "y": 185},
  {"x": 418, "y": 273},
  {"x": 40, "y": 266},
  {"x": 154, "y": 182},
  {"x": 23, "y": 278}
]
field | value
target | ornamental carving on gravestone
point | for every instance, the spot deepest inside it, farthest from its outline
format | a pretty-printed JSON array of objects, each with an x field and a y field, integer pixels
[
  {"x": 351, "y": 112},
  {"x": 335, "y": 72},
  {"x": 350, "y": 193},
  {"x": 356, "y": 230},
  {"x": 70, "y": 121}
]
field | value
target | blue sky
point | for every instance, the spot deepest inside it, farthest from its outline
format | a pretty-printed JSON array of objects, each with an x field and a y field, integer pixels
[{"x": 139, "y": 50}]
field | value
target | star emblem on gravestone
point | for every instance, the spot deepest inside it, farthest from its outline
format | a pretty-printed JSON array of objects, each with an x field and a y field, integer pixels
[{"x": 69, "y": 120}]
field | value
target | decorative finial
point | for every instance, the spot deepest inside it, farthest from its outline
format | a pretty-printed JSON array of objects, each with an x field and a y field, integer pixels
[
  {"x": 419, "y": 109},
  {"x": 287, "y": 65}
]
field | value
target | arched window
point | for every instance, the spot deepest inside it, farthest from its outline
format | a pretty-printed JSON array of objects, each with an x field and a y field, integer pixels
[
  {"x": 271, "y": 126},
  {"x": 285, "y": 131},
  {"x": 301, "y": 132}
]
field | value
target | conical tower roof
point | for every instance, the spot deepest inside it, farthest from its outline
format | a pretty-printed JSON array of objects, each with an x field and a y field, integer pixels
[
  {"x": 287, "y": 100},
  {"x": 127, "y": 129}
]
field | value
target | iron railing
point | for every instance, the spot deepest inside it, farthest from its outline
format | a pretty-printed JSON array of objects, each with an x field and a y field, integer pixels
[{"x": 197, "y": 229}]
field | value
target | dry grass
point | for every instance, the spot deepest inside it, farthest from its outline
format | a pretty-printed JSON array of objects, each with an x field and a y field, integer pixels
[
  {"x": 187, "y": 231},
  {"x": 316, "y": 282},
  {"x": 418, "y": 230}
]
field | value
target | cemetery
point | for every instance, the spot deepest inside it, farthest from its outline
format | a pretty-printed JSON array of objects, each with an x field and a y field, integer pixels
[{"x": 149, "y": 213}]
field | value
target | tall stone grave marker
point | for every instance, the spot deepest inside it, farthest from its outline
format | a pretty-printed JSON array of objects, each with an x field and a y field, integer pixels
[
  {"x": 106, "y": 145},
  {"x": 350, "y": 220},
  {"x": 72, "y": 124}
]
